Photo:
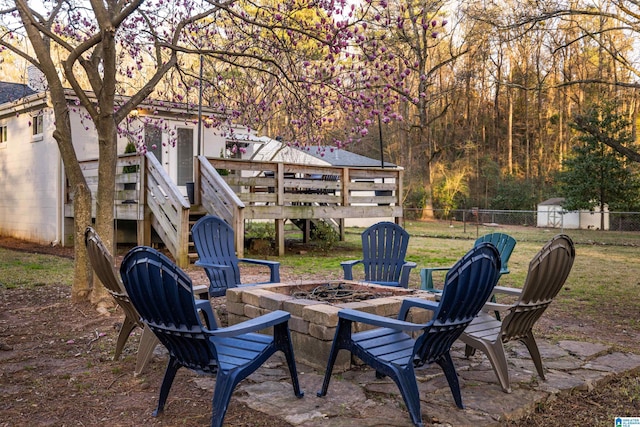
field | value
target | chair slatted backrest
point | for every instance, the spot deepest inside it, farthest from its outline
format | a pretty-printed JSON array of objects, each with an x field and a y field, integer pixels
[
  {"x": 548, "y": 271},
  {"x": 504, "y": 243},
  {"x": 468, "y": 285},
  {"x": 384, "y": 247},
  {"x": 163, "y": 295},
  {"x": 214, "y": 242},
  {"x": 102, "y": 263}
]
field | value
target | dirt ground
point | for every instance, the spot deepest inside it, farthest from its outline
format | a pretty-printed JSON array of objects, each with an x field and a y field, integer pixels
[{"x": 56, "y": 369}]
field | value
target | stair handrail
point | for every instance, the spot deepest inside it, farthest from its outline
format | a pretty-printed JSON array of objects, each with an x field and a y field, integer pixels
[
  {"x": 217, "y": 198},
  {"x": 168, "y": 208}
]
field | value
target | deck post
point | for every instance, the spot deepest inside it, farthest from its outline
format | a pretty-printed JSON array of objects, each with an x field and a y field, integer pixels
[
  {"x": 280, "y": 236},
  {"x": 144, "y": 223}
]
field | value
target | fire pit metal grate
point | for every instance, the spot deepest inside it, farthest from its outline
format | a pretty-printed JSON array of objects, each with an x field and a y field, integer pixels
[{"x": 339, "y": 293}]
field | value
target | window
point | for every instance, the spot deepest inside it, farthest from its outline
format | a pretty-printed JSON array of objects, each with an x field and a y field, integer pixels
[
  {"x": 235, "y": 150},
  {"x": 3, "y": 136},
  {"x": 153, "y": 141},
  {"x": 185, "y": 155},
  {"x": 37, "y": 124}
]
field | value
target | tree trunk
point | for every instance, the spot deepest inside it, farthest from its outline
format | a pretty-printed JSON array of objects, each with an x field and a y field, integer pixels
[
  {"x": 510, "y": 133},
  {"x": 81, "y": 286},
  {"x": 107, "y": 146},
  {"x": 62, "y": 135},
  {"x": 82, "y": 280}
]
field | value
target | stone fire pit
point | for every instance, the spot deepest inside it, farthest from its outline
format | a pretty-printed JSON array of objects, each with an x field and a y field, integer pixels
[{"x": 314, "y": 310}]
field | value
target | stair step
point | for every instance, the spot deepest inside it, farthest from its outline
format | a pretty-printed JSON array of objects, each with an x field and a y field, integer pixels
[{"x": 195, "y": 213}]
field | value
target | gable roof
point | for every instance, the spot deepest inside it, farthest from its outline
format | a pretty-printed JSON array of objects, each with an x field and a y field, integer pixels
[
  {"x": 553, "y": 201},
  {"x": 340, "y": 157},
  {"x": 269, "y": 149},
  {"x": 10, "y": 92}
]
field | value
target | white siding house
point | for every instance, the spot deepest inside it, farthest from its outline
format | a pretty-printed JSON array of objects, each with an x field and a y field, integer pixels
[
  {"x": 31, "y": 172},
  {"x": 32, "y": 179}
]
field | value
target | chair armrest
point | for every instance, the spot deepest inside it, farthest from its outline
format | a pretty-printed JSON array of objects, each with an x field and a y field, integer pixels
[
  {"x": 426, "y": 277},
  {"x": 347, "y": 268},
  {"x": 220, "y": 267},
  {"x": 508, "y": 291},
  {"x": 204, "y": 264},
  {"x": 494, "y": 306},
  {"x": 408, "y": 303},
  {"x": 253, "y": 325},
  {"x": 205, "y": 306},
  {"x": 375, "y": 320},
  {"x": 404, "y": 273},
  {"x": 409, "y": 265},
  {"x": 274, "y": 267}
]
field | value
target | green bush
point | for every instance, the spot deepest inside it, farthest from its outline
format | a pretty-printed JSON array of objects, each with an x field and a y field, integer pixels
[
  {"x": 130, "y": 148},
  {"x": 260, "y": 230},
  {"x": 324, "y": 235}
]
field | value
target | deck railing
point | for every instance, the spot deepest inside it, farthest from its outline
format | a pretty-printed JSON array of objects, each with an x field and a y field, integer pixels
[
  {"x": 272, "y": 190},
  {"x": 160, "y": 205},
  {"x": 280, "y": 191},
  {"x": 127, "y": 195},
  {"x": 216, "y": 197}
]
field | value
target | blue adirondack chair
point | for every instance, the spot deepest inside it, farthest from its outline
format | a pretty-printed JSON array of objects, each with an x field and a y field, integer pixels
[
  {"x": 162, "y": 293},
  {"x": 391, "y": 350},
  {"x": 384, "y": 247},
  {"x": 503, "y": 242},
  {"x": 214, "y": 242}
]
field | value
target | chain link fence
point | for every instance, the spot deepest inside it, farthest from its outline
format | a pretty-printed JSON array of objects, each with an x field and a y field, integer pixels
[{"x": 613, "y": 221}]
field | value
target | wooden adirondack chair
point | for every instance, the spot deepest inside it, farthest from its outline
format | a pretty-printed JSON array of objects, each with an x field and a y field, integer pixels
[
  {"x": 391, "y": 350},
  {"x": 162, "y": 294},
  {"x": 548, "y": 271},
  {"x": 214, "y": 242},
  {"x": 102, "y": 263},
  {"x": 384, "y": 247},
  {"x": 503, "y": 242}
]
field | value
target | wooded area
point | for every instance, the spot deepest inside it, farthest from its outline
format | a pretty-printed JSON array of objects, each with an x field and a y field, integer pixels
[
  {"x": 476, "y": 100},
  {"x": 504, "y": 84}
]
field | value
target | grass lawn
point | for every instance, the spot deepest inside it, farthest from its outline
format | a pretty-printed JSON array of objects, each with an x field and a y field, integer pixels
[{"x": 603, "y": 288}]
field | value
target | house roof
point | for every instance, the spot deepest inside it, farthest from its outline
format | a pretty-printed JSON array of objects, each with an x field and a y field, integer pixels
[
  {"x": 553, "y": 201},
  {"x": 339, "y": 157},
  {"x": 13, "y": 91},
  {"x": 271, "y": 149}
]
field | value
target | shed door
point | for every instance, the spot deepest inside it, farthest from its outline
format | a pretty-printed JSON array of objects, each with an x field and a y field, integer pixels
[{"x": 555, "y": 217}]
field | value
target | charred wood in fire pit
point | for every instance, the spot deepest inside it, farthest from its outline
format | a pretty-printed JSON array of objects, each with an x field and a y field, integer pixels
[{"x": 339, "y": 293}]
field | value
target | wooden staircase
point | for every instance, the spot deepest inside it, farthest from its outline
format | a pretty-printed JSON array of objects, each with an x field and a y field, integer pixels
[{"x": 195, "y": 213}]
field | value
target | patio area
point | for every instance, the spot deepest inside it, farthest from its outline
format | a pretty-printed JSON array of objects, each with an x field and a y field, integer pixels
[{"x": 357, "y": 398}]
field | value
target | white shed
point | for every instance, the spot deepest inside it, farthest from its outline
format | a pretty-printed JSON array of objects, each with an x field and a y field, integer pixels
[{"x": 551, "y": 214}]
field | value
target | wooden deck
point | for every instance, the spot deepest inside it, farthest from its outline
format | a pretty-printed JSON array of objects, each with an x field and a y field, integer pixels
[{"x": 247, "y": 190}]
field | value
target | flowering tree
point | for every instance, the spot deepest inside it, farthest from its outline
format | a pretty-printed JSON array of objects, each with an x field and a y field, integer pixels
[
  {"x": 91, "y": 39},
  {"x": 307, "y": 61}
]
